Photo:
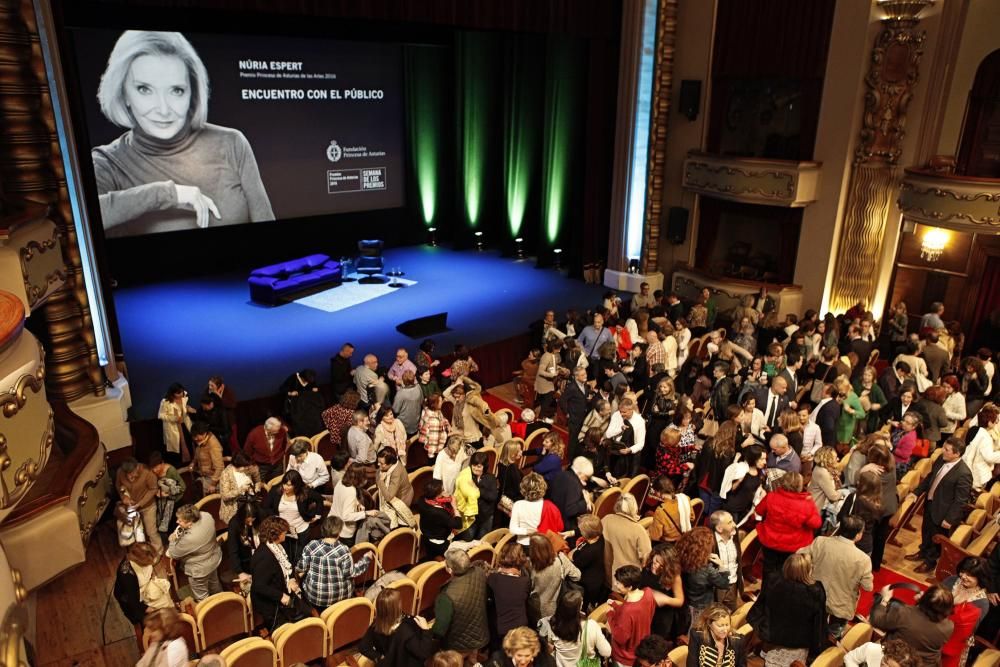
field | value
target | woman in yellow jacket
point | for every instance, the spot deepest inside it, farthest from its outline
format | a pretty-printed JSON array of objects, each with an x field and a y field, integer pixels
[{"x": 466, "y": 500}]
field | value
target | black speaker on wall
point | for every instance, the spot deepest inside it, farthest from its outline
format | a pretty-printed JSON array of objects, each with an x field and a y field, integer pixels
[
  {"x": 677, "y": 224},
  {"x": 690, "y": 98}
]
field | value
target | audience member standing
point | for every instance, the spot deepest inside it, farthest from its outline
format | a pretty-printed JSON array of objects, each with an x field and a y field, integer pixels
[
  {"x": 574, "y": 402},
  {"x": 138, "y": 488},
  {"x": 460, "y": 620},
  {"x": 788, "y": 520},
  {"x": 790, "y": 615},
  {"x": 626, "y": 541},
  {"x": 193, "y": 542},
  {"x": 948, "y": 487},
  {"x": 843, "y": 569},
  {"x": 327, "y": 568},
  {"x": 265, "y": 446}
]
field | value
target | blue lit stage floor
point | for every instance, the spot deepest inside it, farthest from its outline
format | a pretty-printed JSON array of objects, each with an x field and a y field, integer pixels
[{"x": 185, "y": 331}]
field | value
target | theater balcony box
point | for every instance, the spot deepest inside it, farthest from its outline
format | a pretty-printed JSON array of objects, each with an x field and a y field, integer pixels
[
  {"x": 752, "y": 180},
  {"x": 968, "y": 204}
]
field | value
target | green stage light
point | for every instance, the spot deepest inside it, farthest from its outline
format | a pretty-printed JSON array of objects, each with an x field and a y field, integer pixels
[
  {"x": 424, "y": 67},
  {"x": 560, "y": 104},
  {"x": 476, "y": 80},
  {"x": 519, "y": 153}
]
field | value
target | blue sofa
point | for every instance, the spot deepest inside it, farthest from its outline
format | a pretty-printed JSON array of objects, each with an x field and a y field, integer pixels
[{"x": 270, "y": 283}]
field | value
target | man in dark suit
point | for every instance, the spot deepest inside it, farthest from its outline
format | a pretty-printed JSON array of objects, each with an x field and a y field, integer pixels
[
  {"x": 773, "y": 400},
  {"x": 574, "y": 401},
  {"x": 827, "y": 413},
  {"x": 723, "y": 391},
  {"x": 893, "y": 378},
  {"x": 936, "y": 357},
  {"x": 568, "y": 491},
  {"x": 861, "y": 348},
  {"x": 947, "y": 487},
  {"x": 793, "y": 362}
]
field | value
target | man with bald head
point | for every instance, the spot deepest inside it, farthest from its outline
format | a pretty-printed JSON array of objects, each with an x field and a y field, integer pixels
[
  {"x": 773, "y": 400},
  {"x": 366, "y": 378},
  {"x": 782, "y": 457}
]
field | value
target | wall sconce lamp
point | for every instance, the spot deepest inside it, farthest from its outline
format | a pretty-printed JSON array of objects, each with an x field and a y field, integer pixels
[{"x": 933, "y": 244}]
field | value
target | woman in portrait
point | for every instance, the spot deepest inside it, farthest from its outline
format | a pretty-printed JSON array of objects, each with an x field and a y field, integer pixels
[{"x": 171, "y": 169}]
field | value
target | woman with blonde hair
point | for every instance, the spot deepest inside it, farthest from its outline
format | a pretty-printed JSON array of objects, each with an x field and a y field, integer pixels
[
  {"x": 521, "y": 648},
  {"x": 163, "y": 629},
  {"x": 396, "y": 638},
  {"x": 526, "y": 514},
  {"x": 791, "y": 426},
  {"x": 509, "y": 478},
  {"x": 551, "y": 455},
  {"x": 825, "y": 487},
  {"x": 852, "y": 413},
  {"x": 790, "y": 616},
  {"x": 626, "y": 542},
  {"x": 171, "y": 169},
  {"x": 712, "y": 642}
]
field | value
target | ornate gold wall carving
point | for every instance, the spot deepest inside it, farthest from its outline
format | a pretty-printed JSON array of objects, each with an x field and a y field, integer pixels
[
  {"x": 891, "y": 78},
  {"x": 663, "y": 79},
  {"x": 31, "y": 168},
  {"x": 93, "y": 500}
]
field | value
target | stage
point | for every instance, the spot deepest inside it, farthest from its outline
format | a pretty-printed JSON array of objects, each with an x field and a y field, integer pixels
[{"x": 187, "y": 330}]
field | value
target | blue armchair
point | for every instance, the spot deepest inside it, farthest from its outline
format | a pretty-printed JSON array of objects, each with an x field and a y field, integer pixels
[{"x": 370, "y": 261}]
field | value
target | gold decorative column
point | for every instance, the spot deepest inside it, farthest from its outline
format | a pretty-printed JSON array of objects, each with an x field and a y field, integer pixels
[
  {"x": 663, "y": 80},
  {"x": 889, "y": 86},
  {"x": 31, "y": 168}
]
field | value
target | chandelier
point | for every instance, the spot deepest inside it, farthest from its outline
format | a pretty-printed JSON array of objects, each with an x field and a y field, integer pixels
[{"x": 932, "y": 244}]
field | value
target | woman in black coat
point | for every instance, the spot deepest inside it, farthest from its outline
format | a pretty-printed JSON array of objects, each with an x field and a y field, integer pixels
[
  {"x": 243, "y": 537},
  {"x": 437, "y": 519},
  {"x": 395, "y": 639},
  {"x": 588, "y": 556},
  {"x": 489, "y": 495},
  {"x": 297, "y": 504},
  {"x": 790, "y": 615},
  {"x": 273, "y": 583}
]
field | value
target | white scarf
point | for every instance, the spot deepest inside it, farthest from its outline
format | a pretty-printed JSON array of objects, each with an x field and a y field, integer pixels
[{"x": 282, "y": 558}]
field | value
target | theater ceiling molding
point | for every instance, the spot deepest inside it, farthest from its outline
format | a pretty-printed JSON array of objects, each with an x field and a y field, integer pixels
[{"x": 786, "y": 183}]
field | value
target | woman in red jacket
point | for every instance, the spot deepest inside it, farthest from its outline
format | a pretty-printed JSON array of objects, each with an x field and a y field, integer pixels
[{"x": 788, "y": 521}]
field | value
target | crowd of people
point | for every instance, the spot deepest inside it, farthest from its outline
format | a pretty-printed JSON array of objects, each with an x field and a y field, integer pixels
[{"x": 797, "y": 428}]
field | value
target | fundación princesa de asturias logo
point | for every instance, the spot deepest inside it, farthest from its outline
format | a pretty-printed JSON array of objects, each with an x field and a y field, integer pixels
[{"x": 334, "y": 152}]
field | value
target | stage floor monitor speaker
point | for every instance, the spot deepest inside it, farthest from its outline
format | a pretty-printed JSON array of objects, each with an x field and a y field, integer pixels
[{"x": 422, "y": 327}]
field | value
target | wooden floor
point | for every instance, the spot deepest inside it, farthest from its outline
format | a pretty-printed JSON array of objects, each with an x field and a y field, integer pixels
[{"x": 69, "y": 612}]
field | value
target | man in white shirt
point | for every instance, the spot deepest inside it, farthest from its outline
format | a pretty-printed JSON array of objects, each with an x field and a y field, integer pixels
[
  {"x": 669, "y": 344},
  {"x": 633, "y": 436},
  {"x": 812, "y": 438},
  {"x": 309, "y": 465},
  {"x": 726, "y": 555}
]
